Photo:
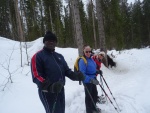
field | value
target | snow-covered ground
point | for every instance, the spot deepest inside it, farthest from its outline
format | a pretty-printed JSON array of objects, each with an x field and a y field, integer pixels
[{"x": 129, "y": 82}]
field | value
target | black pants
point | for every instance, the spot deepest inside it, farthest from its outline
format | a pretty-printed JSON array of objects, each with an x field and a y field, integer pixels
[
  {"x": 90, "y": 103},
  {"x": 48, "y": 100}
]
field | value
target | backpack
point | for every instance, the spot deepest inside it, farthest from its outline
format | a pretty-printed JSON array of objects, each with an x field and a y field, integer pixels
[{"x": 76, "y": 65}]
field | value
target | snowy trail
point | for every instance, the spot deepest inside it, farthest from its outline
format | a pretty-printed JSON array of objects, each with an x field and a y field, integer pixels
[{"x": 129, "y": 81}]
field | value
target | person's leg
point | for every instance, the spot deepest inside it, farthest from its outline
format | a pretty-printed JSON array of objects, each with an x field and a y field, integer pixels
[
  {"x": 95, "y": 93},
  {"x": 48, "y": 100},
  {"x": 44, "y": 101},
  {"x": 60, "y": 106},
  {"x": 88, "y": 100}
]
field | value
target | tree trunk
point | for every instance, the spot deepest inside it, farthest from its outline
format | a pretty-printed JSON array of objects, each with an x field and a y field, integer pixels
[
  {"x": 73, "y": 21},
  {"x": 51, "y": 20},
  {"x": 148, "y": 32},
  {"x": 19, "y": 28},
  {"x": 72, "y": 27},
  {"x": 77, "y": 24},
  {"x": 18, "y": 19},
  {"x": 101, "y": 30},
  {"x": 42, "y": 28},
  {"x": 100, "y": 25},
  {"x": 94, "y": 31}
]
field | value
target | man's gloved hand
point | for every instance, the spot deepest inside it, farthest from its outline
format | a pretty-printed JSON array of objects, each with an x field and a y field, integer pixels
[
  {"x": 80, "y": 76},
  {"x": 45, "y": 85},
  {"x": 99, "y": 72},
  {"x": 94, "y": 81},
  {"x": 56, "y": 87}
]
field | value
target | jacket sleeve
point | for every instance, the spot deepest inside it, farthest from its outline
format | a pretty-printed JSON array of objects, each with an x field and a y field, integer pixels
[
  {"x": 82, "y": 68},
  {"x": 37, "y": 70}
]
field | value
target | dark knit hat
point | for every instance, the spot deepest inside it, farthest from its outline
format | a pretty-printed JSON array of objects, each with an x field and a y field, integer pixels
[{"x": 49, "y": 36}]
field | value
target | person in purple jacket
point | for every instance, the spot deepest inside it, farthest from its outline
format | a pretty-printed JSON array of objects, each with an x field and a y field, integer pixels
[
  {"x": 90, "y": 82},
  {"x": 49, "y": 70}
]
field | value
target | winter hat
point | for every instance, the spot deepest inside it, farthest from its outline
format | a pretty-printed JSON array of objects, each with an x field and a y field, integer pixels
[
  {"x": 102, "y": 53},
  {"x": 49, "y": 36}
]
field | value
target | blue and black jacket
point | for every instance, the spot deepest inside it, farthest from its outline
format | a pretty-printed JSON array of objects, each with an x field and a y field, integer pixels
[{"x": 49, "y": 65}]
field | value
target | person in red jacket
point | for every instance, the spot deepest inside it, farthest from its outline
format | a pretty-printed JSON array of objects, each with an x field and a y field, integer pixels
[{"x": 98, "y": 60}]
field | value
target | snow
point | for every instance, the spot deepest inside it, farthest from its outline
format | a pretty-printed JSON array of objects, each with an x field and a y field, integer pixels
[
  {"x": 128, "y": 1},
  {"x": 129, "y": 82}
]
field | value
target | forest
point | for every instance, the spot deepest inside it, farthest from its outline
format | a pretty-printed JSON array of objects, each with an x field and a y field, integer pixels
[{"x": 111, "y": 24}]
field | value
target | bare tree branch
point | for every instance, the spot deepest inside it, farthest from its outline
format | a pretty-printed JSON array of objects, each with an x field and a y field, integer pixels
[{"x": 8, "y": 79}]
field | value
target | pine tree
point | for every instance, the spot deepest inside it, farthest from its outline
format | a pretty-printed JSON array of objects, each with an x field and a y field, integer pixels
[
  {"x": 58, "y": 23},
  {"x": 87, "y": 39},
  {"x": 113, "y": 24},
  {"x": 68, "y": 28},
  {"x": 137, "y": 24},
  {"x": 31, "y": 12},
  {"x": 146, "y": 23},
  {"x": 91, "y": 23},
  {"x": 4, "y": 19}
]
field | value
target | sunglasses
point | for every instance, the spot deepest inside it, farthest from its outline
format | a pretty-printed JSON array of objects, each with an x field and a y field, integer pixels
[
  {"x": 101, "y": 55},
  {"x": 87, "y": 51}
]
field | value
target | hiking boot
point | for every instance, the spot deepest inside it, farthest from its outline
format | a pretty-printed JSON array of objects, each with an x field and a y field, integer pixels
[{"x": 101, "y": 99}]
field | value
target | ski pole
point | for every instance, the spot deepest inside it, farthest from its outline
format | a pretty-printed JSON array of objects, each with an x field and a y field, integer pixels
[
  {"x": 110, "y": 91},
  {"x": 101, "y": 84},
  {"x": 90, "y": 97},
  {"x": 108, "y": 98}
]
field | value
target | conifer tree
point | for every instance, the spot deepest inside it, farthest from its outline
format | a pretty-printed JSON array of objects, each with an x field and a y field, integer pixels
[
  {"x": 4, "y": 19},
  {"x": 137, "y": 23},
  {"x": 146, "y": 23}
]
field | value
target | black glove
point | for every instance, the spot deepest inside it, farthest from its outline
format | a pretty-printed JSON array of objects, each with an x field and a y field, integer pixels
[
  {"x": 56, "y": 87},
  {"x": 80, "y": 76},
  {"x": 94, "y": 81},
  {"x": 45, "y": 86},
  {"x": 99, "y": 72}
]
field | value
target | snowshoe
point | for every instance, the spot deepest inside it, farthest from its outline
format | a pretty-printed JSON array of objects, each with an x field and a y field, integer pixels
[{"x": 98, "y": 111}]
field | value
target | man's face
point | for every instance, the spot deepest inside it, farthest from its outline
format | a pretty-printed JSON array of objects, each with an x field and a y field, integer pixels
[{"x": 50, "y": 44}]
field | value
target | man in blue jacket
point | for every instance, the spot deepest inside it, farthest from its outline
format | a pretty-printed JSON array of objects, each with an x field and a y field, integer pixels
[{"x": 49, "y": 69}]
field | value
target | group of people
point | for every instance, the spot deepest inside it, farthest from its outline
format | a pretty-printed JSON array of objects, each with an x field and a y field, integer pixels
[{"x": 49, "y": 70}]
